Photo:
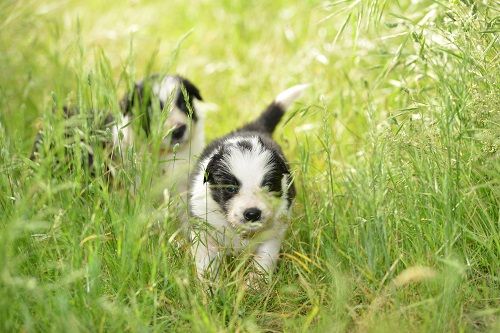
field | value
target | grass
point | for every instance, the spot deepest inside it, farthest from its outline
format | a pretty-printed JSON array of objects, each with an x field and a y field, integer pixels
[{"x": 394, "y": 149}]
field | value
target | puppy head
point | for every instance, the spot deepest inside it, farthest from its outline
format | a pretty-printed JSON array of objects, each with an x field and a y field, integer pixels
[
  {"x": 249, "y": 180},
  {"x": 172, "y": 95}
]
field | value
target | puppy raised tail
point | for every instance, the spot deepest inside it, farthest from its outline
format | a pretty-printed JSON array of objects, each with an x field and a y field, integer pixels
[{"x": 271, "y": 116}]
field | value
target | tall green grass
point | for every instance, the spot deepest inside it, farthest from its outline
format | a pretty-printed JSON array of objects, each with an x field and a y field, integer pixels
[{"x": 396, "y": 224}]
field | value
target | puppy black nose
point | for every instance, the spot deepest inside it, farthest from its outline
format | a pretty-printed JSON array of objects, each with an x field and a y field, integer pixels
[
  {"x": 252, "y": 214},
  {"x": 178, "y": 132}
]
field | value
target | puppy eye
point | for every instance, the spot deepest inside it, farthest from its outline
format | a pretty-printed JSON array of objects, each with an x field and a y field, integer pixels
[{"x": 231, "y": 189}]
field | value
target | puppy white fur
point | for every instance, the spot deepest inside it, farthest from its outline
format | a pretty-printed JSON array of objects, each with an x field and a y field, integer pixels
[
  {"x": 179, "y": 123},
  {"x": 241, "y": 193}
]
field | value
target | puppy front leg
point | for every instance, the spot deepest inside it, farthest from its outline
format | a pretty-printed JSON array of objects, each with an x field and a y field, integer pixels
[
  {"x": 266, "y": 257},
  {"x": 206, "y": 256}
]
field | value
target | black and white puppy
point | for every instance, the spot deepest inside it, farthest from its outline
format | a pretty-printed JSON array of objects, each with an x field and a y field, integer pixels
[
  {"x": 180, "y": 124},
  {"x": 241, "y": 193},
  {"x": 166, "y": 99}
]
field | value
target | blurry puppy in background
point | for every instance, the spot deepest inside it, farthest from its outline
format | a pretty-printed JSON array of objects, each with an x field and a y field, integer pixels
[
  {"x": 179, "y": 124},
  {"x": 164, "y": 104},
  {"x": 241, "y": 192}
]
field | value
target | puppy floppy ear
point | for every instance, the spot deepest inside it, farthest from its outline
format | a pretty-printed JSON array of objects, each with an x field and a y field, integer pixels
[
  {"x": 132, "y": 97},
  {"x": 138, "y": 97},
  {"x": 191, "y": 89},
  {"x": 208, "y": 177},
  {"x": 288, "y": 189},
  {"x": 213, "y": 165}
]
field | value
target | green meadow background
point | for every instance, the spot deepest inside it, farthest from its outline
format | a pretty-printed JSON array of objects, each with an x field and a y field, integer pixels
[{"x": 394, "y": 150}]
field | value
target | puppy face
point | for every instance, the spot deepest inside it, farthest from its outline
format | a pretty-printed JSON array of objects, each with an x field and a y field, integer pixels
[
  {"x": 171, "y": 95},
  {"x": 249, "y": 180}
]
